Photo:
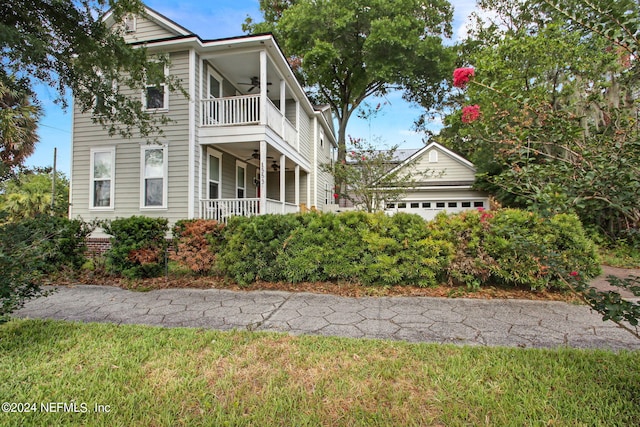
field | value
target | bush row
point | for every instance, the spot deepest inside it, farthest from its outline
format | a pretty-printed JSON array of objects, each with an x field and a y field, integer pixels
[{"x": 508, "y": 247}]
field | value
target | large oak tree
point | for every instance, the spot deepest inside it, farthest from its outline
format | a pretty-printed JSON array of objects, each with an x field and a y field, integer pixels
[{"x": 347, "y": 50}]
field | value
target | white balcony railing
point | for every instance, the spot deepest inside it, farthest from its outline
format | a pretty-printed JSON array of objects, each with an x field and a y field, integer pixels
[
  {"x": 245, "y": 110},
  {"x": 222, "y": 209},
  {"x": 235, "y": 110}
]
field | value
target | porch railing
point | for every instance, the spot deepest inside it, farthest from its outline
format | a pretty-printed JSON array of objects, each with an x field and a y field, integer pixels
[
  {"x": 222, "y": 209},
  {"x": 235, "y": 110},
  {"x": 245, "y": 110}
]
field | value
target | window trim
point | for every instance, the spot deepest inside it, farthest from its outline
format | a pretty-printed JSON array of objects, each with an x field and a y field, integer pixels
[
  {"x": 213, "y": 153},
  {"x": 433, "y": 156},
  {"x": 243, "y": 166},
  {"x": 92, "y": 179},
  {"x": 165, "y": 92},
  {"x": 129, "y": 29},
  {"x": 165, "y": 176},
  {"x": 212, "y": 73}
]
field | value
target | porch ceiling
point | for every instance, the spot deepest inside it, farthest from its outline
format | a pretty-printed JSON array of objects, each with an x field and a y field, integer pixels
[
  {"x": 240, "y": 68},
  {"x": 245, "y": 150}
]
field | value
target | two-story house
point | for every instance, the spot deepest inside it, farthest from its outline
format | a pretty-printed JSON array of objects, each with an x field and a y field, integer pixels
[{"x": 246, "y": 141}]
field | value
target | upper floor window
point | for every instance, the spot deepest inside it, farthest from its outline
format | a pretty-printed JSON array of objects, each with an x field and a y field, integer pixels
[
  {"x": 154, "y": 176},
  {"x": 102, "y": 164},
  {"x": 214, "y": 85},
  {"x": 130, "y": 24},
  {"x": 433, "y": 156},
  {"x": 156, "y": 96}
]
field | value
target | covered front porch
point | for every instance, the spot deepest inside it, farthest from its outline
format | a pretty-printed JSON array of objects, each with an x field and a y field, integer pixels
[{"x": 251, "y": 178}]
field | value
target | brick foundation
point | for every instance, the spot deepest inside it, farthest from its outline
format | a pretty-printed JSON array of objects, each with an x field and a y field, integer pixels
[{"x": 97, "y": 246}]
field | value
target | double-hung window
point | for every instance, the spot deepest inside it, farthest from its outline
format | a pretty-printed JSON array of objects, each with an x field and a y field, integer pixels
[
  {"x": 156, "y": 95},
  {"x": 153, "y": 191},
  {"x": 102, "y": 164},
  {"x": 214, "y": 173}
]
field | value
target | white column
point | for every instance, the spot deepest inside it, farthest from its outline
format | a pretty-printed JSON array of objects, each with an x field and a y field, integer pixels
[
  {"x": 263, "y": 177},
  {"x": 263, "y": 87},
  {"x": 283, "y": 94},
  {"x": 298, "y": 126},
  {"x": 297, "y": 185},
  {"x": 282, "y": 183}
]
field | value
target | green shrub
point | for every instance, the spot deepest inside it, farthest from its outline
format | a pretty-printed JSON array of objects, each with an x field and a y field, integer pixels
[
  {"x": 516, "y": 248},
  {"x": 251, "y": 246},
  {"x": 63, "y": 242},
  {"x": 353, "y": 246},
  {"x": 138, "y": 246},
  {"x": 196, "y": 244}
]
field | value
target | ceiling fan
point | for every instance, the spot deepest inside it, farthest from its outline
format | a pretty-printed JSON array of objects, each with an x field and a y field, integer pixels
[
  {"x": 255, "y": 82},
  {"x": 256, "y": 156},
  {"x": 275, "y": 166}
]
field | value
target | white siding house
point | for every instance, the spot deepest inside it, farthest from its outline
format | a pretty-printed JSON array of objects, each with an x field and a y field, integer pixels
[
  {"x": 246, "y": 141},
  {"x": 446, "y": 186}
]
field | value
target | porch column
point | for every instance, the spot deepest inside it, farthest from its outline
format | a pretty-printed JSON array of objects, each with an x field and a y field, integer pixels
[
  {"x": 283, "y": 106},
  {"x": 282, "y": 186},
  {"x": 263, "y": 177},
  {"x": 298, "y": 126},
  {"x": 297, "y": 186},
  {"x": 263, "y": 88}
]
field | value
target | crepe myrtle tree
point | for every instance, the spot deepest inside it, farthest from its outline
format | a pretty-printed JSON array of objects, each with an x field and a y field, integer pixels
[{"x": 371, "y": 176}]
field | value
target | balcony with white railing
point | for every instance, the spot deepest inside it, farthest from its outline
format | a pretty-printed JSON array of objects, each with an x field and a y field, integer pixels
[
  {"x": 245, "y": 110},
  {"x": 222, "y": 209}
]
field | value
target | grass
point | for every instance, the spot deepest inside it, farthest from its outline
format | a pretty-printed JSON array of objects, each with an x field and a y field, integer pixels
[
  {"x": 621, "y": 256},
  {"x": 170, "y": 377}
]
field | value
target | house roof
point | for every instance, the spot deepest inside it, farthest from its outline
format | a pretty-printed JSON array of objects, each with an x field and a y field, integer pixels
[{"x": 418, "y": 153}]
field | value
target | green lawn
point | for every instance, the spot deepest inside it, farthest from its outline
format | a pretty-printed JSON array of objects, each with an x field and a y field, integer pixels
[{"x": 146, "y": 376}]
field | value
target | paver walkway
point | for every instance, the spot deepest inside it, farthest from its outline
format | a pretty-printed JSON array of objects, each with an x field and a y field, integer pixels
[{"x": 419, "y": 319}]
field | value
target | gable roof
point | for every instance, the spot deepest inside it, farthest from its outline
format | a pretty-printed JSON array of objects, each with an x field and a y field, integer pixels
[
  {"x": 158, "y": 19},
  {"x": 421, "y": 152}
]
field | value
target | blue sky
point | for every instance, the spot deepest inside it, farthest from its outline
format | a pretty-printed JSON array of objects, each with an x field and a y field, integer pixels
[{"x": 224, "y": 18}]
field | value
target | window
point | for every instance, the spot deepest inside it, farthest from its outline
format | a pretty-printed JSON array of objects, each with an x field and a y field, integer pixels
[
  {"x": 391, "y": 205},
  {"x": 440, "y": 205},
  {"x": 433, "y": 156},
  {"x": 478, "y": 204},
  {"x": 241, "y": 172},
  {"x": 321, "y": 139},
  {"x": 426, "y": 205},
  {"x": 466, "y": 204},
  {"x": 130, "y": 24},
  {"x": 415, "y": 205},
  {"x": 215, "y": 85},
  {"x": 402, "y": 205},
  {"x": 102, "y": 177},
  {"x": 156, "y": 97},
  {"x": 154, "y": 174},
  {"x": 453, "y": 205},
  {"x": 214, "y": 174}
]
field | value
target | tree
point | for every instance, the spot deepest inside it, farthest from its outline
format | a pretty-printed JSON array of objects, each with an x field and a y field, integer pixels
[
  {"x": 347, "y": 50},
  {"x": 371, "y": 177},
  {"x": 18, "y": 123},
  {"x": 67, "y": 45},
  {"x": 555, "y": 126},
  {"x": 28, "y": 194}
]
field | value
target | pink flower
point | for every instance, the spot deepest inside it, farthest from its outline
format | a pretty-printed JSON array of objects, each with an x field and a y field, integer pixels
[
  {"x": 336, "y": 195},
  {"x": 573, "y": 274},
  {"x": 470, "y": 113},
  {"x": 461, "y": 76},
  {"x": 364, "y": 158},
  {"x": 481, "y": 209}
]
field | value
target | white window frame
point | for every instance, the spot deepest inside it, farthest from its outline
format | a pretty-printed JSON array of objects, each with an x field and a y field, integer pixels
[
  {"x": 433, "y": 156},
  {"x": 165, "y": 92},
  {"x": 213, "y": 153},
  {"x": 212, "y": 73},
  {"x": 321, "y": 139},
  {"x": 130, "y": 24},
  {"x": 92, "y": 179},
  {"x": 241, "y": 165},
  {"x": 165, "y": 176}
]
